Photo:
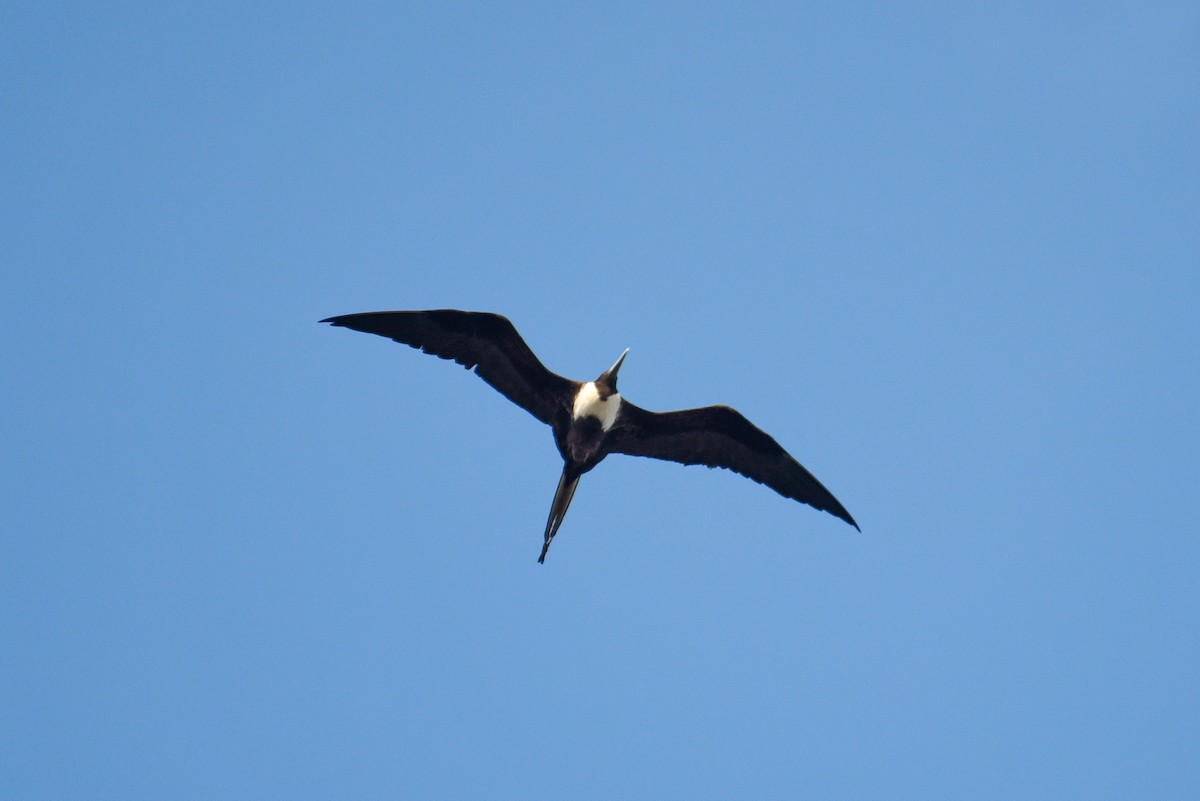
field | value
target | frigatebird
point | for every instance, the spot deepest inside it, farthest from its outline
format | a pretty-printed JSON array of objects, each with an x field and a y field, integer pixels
[{"x": 590, "y": 419}]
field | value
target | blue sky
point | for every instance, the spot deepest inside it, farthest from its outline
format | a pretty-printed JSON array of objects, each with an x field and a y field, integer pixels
[{"x": 947, "y": 255}]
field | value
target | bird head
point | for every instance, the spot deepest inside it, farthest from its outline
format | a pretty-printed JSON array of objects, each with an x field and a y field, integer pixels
[{"x": 609, "y": 376}]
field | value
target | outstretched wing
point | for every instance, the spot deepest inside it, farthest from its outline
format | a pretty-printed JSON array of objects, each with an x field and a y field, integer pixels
[
  {"x": 486, "y": 342},
  {"x": 718, "y": 436}
]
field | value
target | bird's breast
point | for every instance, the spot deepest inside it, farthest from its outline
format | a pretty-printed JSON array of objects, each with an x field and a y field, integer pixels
[{"x": 589, "y": 403}]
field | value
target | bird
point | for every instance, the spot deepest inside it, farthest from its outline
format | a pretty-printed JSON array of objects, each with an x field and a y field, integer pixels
[{"x": 591, "y": 419}]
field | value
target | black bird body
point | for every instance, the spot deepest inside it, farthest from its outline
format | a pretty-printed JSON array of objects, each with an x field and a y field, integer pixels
[{"x": 590, "y": 419}]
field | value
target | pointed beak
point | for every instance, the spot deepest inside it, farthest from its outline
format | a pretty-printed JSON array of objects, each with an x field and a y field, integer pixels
[
  {"x": 612, "y": 371},
  {"x": 610, "y": 375}
]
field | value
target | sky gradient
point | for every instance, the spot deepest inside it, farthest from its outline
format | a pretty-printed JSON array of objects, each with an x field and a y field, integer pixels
[{"x": 946, "y": 255}]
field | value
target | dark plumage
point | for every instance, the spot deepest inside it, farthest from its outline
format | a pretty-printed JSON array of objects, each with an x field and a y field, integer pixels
[{"x": 591, "y": 419}]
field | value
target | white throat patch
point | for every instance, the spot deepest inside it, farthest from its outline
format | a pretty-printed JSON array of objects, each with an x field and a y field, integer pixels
[{"x": 588, "y": 403}]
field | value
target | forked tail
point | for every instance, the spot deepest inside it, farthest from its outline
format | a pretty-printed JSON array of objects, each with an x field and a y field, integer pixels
[{"x": 558, "y": 509}]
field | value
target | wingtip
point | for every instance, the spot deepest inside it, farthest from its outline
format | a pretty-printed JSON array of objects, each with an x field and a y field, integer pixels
[{"x": 842, "y": 514}]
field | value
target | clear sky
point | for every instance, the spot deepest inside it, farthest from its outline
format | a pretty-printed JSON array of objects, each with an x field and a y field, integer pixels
[{"x": 947, "y": 254}]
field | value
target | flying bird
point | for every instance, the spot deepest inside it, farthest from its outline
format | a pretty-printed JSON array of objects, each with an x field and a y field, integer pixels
[{"x": 591, "y": 419}]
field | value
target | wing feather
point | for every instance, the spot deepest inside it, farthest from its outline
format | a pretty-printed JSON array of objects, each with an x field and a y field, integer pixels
[
  {"x": 487, "y": 343},
  {"x": 719, "y": 436}
]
